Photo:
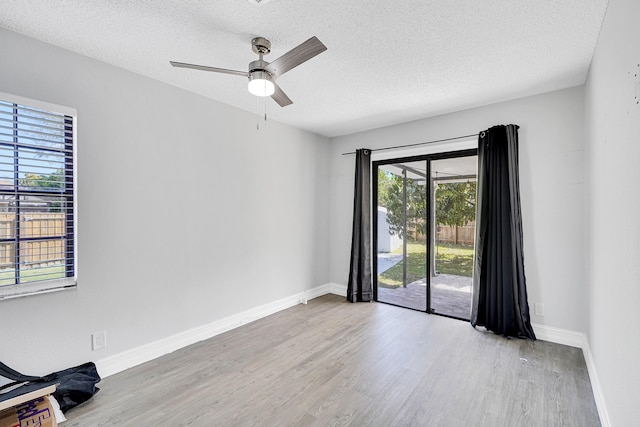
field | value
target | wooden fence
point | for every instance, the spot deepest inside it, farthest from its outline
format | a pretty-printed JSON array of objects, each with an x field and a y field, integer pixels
[
  {"x": 464, "y": 235},
  {"x": 453, "y": 235},
  {"x": 34, "y": 224}
]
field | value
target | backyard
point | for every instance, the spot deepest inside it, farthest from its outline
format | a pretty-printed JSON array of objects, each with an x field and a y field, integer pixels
[
  {"x": 7, "y": 275},
  {"x": 450, "y": 259}
]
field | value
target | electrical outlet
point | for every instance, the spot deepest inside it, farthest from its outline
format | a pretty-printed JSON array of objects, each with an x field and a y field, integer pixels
[
  {"x": 538, "y": 309},
  {"x": 98, "y": 340}
]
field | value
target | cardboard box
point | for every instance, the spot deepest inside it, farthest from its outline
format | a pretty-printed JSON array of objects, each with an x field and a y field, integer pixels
[{"x": 29, "y": 410}]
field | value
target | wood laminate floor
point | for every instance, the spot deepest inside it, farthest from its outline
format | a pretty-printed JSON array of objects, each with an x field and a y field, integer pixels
[{"x": 335, "y": 363}]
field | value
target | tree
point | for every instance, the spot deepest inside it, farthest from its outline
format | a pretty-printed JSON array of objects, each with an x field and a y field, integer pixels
[
  {"x": 384, "y": 183},
  {"x": 455, "y": 203},
  {"x": 53, "y": 183},
  {"x": 390, "y": 196},
  {"x": 34, "y": 181}
]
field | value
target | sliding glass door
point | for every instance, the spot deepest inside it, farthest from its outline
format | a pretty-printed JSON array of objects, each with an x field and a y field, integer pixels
[
  {"x": 453, "y": 184},
  {"x": 402, "y": 234},
  {"x": 424, "y": 232}
]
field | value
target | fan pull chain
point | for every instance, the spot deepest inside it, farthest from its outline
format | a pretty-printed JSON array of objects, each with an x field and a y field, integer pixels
[
  {"x": 257, "y": 114},
  {"x": 265, "y": 109},
  {"x": 258, "y": 110}
]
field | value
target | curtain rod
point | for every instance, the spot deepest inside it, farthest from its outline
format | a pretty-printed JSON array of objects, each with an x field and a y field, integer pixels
[{"x": 418, "y": 143}]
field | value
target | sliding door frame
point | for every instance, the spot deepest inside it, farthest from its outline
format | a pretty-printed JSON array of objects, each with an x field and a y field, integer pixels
[{"x": 429, "y": 217}]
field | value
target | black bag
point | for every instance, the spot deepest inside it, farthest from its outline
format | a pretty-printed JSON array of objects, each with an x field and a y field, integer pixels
[{"x": 75, "y": 385}]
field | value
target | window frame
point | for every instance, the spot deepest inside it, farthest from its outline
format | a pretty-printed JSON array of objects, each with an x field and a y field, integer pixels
[{"x": 66, "y": 283}]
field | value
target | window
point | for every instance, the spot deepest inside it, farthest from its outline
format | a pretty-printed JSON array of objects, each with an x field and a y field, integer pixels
[{"x": 37, "y": 199}]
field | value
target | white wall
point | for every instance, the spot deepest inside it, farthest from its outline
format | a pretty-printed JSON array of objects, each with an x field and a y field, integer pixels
[
  {"x": 552, "y": 192},
  {"x": 613, "y": 131},
  {"x": 187, "y": 213}
]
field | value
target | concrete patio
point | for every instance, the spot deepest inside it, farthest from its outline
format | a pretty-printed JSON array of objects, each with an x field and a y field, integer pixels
[{"x": 450, "y": 295}]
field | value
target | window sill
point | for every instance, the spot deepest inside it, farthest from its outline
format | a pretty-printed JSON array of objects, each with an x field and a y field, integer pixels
[{"x": 27, "y": 289}]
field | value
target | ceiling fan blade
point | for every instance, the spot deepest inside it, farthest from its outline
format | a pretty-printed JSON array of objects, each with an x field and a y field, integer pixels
[
  {"x": 296, "y": 56},
  {"x": 205, "y": 68},
  {"x": 280, "y": 97}
]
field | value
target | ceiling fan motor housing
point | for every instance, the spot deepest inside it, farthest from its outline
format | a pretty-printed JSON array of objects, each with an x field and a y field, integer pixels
[{"x": 257, "y": 65}]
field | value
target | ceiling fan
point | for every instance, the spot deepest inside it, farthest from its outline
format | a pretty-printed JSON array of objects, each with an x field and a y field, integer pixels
[{"x": 262, "y": 74}]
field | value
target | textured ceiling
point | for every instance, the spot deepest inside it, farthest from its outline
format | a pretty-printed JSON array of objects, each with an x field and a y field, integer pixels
[{"x": 387, "y": 61}]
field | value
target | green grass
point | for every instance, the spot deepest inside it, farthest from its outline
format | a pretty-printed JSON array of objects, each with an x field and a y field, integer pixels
[
  {"x": 7, "y": 276},
  {"x": 450, "y": 259},
  {"x": 454, "y": 259},
  {"x": 416, "y": 268}
]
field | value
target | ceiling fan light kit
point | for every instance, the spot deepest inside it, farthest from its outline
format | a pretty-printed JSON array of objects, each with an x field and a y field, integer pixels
[
  {"x": 262, "y": 75},
  {"x": 261, "y": 83}
]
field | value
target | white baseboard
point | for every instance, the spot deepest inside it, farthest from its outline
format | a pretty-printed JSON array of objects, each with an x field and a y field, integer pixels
[
  {"x": 337, "y": 289},
  {"x": 136, "y": 356},
  {"x": 559, "y": 336},
  {"x": 598, "y": 395}
]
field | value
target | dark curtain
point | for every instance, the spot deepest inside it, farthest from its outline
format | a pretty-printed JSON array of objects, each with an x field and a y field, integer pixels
[
  {"x": 359, "y": 287},
  {"x": 499, "y": 285}
]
